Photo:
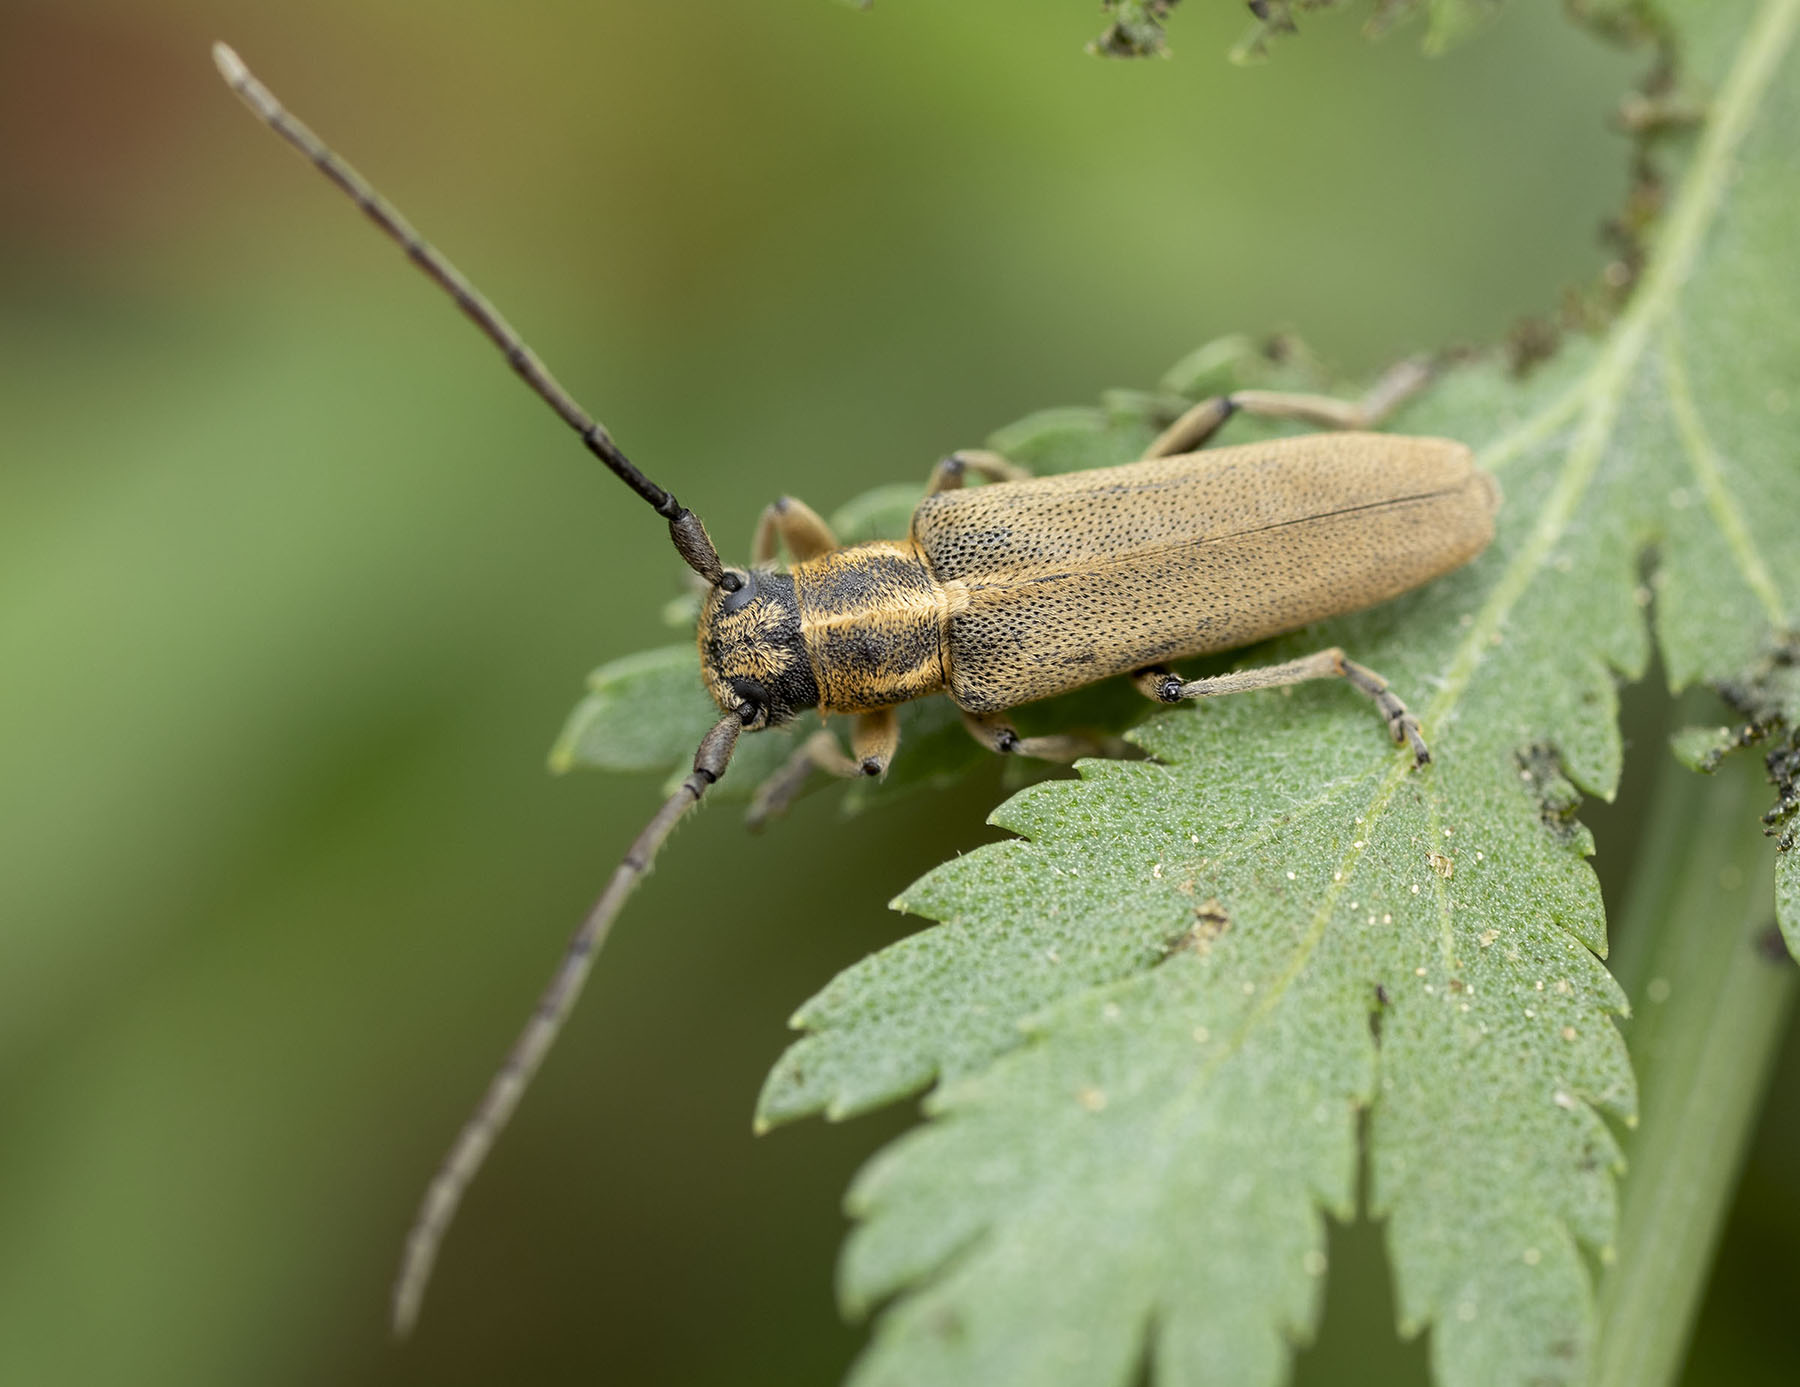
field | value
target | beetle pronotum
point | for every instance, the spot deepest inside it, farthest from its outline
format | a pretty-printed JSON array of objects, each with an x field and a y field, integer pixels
[{"x": 998, "y": 596}]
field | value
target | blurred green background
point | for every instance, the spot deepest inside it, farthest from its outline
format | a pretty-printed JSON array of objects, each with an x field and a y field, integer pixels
[{"x": 297, "y": 584}]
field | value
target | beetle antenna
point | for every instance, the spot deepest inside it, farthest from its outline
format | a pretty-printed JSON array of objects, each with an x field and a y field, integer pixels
[
  {"x": 508, "y": 1085},
  {"x": 685, "y": 529}
]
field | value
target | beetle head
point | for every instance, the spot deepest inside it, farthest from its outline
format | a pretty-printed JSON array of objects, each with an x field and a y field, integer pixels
[{"x": 751, "y": 649}]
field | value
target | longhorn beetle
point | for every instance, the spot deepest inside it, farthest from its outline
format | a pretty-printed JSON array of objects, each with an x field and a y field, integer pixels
[{"x": 999, "y": 596}]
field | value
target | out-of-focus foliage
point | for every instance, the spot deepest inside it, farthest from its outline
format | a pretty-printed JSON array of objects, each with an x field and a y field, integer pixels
[{"x": 1139, "y": 27}]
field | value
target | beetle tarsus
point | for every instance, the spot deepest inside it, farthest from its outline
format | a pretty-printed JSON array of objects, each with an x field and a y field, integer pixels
[
  {"x": 1158, "y": 682},
  {"x": 952, "y": 472},
  {"x": 875, "y": 739},
  {"x": 995, "y": 733}
]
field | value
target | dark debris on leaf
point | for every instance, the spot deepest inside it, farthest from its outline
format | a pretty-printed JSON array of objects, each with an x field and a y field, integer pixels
[
  {"x": 1767, "y": 698},
  {"x": 1136, "y": 30},
  {"x": 1541, "y": 768}
]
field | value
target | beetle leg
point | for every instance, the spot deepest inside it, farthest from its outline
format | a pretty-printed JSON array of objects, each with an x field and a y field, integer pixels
[
  {"x": 951, "y": 472},
  {"x": 874, "y": 739},
  {"x": 997, "y": 734},
  {"x": 818, "y": 752},
  {"x": 1154, "y": 681},
  {"x": 796, "y": 525},
  {"x": 1191, "y": 431}
]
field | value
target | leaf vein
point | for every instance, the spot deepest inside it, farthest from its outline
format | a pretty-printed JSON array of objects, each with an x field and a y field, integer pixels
[
  {"x": 1703, "y": 460},
  {"x": 1605, "y": 383}
]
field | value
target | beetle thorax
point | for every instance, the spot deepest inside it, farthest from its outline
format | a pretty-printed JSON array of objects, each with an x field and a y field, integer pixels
[
  {"x": 874, "y": 620},
  {"x": 751, "y": 649}
]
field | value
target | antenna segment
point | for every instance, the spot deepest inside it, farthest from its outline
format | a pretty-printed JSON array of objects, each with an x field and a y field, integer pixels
[{"x": 685, "y": 529}]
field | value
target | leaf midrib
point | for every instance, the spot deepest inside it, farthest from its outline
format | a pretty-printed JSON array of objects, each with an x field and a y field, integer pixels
[{"x": 1759, "y": 54}]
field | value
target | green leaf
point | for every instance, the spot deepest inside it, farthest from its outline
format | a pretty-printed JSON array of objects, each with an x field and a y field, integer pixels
[
  {"x": 648, "y": 712},
  {"x": 1787, "y": 898},
  {"x": 1158, "y": 1015},
  {"x": 608, "y": 729}
]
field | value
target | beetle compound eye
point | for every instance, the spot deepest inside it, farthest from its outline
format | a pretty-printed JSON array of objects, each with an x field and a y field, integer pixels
[
  {"x": 752, "y": 693},
  {"x": 736, "y": 599}
]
